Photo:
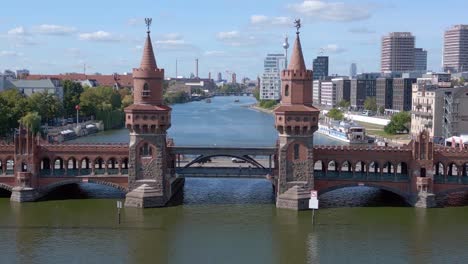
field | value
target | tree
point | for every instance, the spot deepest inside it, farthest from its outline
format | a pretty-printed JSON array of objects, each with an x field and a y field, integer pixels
[
  {"x": 71, "y": 96},
  {"x": 344, "y": 104},
  {"x": 268, "y": 104},
  {"x": 32, "y": 120},
  {"x": 370, "y": 104},
  {"x": 381, "y": 110},
  {"x": 13, "y": 106},
  {"x": 127, "y": 100},
  {"x": 399, "y": 123},
  {"x": 176, "y": 97},
  {"x": 335, "y": 114},
  {"x": 256, "y": 93},
  {"x": 47, "y": 105},
  {"x": 99, "y": 98}
]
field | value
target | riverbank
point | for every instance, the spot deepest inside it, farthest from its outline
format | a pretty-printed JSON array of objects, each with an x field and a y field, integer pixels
[{"x": 261, "y": 109}]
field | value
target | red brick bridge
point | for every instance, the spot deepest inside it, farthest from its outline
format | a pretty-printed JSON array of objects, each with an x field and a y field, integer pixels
[{"x": 43, "y": 167}]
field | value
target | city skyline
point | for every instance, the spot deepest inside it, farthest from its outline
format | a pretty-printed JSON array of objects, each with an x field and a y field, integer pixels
[{"x": 58, "y": 40}]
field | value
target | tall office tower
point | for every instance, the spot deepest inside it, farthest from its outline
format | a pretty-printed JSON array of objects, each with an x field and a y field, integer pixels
[
  {"x": 397, "y": 52},
  {"x": 270, "y": 87},
  {"x": 420, "y": 59},
  {"x": 234, "y": 78},
  {"x": 220, "y": 77},
  {"x": 353, "y": 70},
  {"x": 456, "y": 49},
  {"x": 320, "y": 67}
]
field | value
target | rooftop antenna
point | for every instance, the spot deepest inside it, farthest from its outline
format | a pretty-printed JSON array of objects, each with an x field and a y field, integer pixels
[{"x": 285, "y": 47}]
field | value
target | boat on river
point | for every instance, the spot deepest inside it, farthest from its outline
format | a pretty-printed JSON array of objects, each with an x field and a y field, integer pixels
[
  {"x": 346, "y": 131},
  {"x": 236, "y": 101}
]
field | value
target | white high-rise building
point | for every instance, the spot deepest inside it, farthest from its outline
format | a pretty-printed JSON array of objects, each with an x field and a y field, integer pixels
[
  {"x": 327, "y": 93},
  {"x": 270, "y": 87}
]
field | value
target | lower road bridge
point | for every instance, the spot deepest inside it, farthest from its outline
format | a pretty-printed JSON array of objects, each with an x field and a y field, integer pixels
[{"x": 419, "y": 171}]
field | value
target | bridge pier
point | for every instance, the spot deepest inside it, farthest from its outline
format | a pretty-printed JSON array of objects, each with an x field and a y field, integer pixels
[
  {"x": 23, "y": 194},
  {"x": 423, "y": 200}
]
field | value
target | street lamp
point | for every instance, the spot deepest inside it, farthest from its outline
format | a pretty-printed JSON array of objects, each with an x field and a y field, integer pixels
[{"x": 77, "y": 107}]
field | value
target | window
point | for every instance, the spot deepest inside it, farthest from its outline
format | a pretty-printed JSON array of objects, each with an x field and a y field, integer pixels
[
  {"x": 296, "y": 151},
  {"x": 146, "y": 151},
  {"x": 286, "y": 90},
  {"x": 146, "y": 90}
]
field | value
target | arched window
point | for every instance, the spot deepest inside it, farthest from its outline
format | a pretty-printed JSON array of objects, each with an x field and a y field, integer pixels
[
  {"x": 296, "y": 151},
  {"x": 146, "y": 151},
  {"x": 146, "y": 90},
  {"x": 286, "y": 90}
]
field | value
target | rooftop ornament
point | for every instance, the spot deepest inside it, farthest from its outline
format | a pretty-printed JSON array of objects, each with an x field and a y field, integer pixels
[
  {"x": 297, "y": 25},
  {"x": 148, "y": 24}
]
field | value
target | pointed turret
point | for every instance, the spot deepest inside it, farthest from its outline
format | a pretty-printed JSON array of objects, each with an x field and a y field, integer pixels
[
  {"x": 297, "y": 59},
  {"x": 148, "y": 60}
]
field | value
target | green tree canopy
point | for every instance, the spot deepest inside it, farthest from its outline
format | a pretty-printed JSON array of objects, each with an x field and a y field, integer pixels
[
  {"x": 268, "y": 104},
  {"x": 335, "y": 114},
  {"x": 13, "y": 106},
  {"x": 344, "y": 104},
  {"x": 47, "y": 105},
  {"x": 399, "y": 123},
  {"x": 31, "y": 120},
  {"x": 176, "y": 97},
  {"x": 99, "y": 98},
  {"x": 370, "y": 104},
  {"x": 71, "y": 96}
]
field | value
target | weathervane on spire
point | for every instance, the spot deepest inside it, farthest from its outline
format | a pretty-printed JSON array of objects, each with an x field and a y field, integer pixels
[
  {"x": 148, "y": 23},
  {"x": 297, "y": 24}
]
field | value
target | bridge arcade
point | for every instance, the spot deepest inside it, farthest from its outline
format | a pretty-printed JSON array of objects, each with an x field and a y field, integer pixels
[{"x": 148, "y": 171}]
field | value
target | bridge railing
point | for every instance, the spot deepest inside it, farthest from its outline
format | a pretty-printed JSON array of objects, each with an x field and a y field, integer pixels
[{"x": 361, "y": 176}]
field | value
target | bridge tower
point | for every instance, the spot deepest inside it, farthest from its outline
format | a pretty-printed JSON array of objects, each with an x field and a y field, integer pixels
[
  {"x": 296, "y": 121},
  {"x": 422, "y": 171},
  {"x": 25, "y": 166},
  {"x": 151, "y": 170}
]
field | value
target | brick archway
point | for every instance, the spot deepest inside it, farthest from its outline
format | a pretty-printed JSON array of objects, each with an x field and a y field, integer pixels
[
  {"x": 6, "y": 187},
  {"x": 43, "y": 191},
  {"x": 338, "y": 186}
]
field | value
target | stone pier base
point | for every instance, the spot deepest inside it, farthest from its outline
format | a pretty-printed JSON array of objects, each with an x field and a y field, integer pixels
[
  {"x": 23, "y": 194},
  {"x": 424, "y": 200},
  {"x": 296, "y": 198},
  {"x": 146, "y": 196}
]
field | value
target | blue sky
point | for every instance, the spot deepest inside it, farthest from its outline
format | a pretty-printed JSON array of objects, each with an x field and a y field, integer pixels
[{"x": 51, "y": 36}]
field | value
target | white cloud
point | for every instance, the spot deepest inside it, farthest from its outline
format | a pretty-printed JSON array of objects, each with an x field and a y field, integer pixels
[
  {"x": 258, "y": 19},
  {"x": 235, "y": 38},
  {"x": 361, "y": 30},
  {"x": 9, "y": 53},
  {"x": 333, "y": 48},
  {"x": 265, "y": 20},
  {"x": 99, "y": 36},
  {"x": 48, "y": 29},
  {"x": 18, "y": 31},
  {"x": 228, "y": 35},
  {"x": 174, "y": 42},
  {"x": 134, "y": 21},
  {"x": 331, "y": 11},
  {"x": 214, "y": 53}
]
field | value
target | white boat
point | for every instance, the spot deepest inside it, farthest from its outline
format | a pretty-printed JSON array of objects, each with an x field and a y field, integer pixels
[{"x": 344, "y": 131}]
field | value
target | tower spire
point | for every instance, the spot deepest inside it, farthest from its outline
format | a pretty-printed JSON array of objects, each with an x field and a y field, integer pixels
[
  {"x": 148, "y": 60},
  {"x": 297, "y": 58}
]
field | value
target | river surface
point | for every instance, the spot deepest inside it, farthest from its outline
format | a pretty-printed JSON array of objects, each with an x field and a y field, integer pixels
[{"x": 227, "y": 220}]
